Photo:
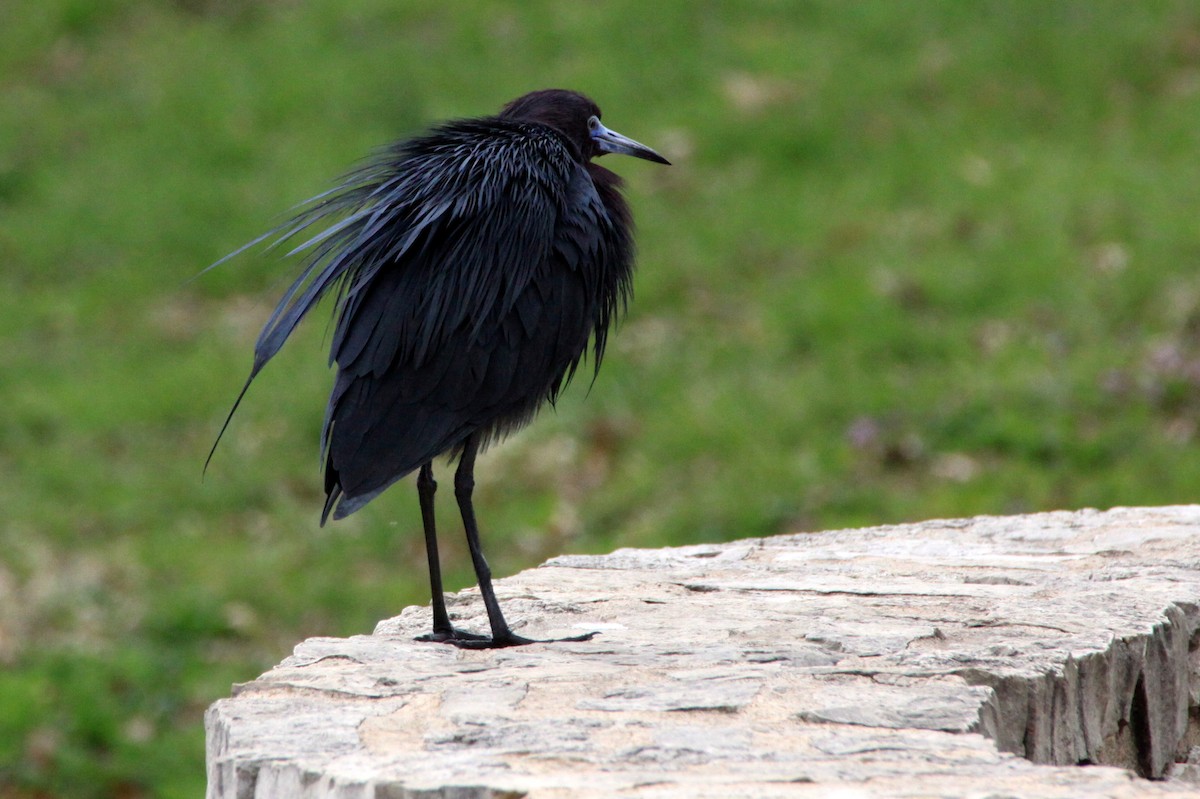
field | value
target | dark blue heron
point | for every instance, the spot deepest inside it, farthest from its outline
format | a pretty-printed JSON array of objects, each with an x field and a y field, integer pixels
[{"x": 471, "y": 266}]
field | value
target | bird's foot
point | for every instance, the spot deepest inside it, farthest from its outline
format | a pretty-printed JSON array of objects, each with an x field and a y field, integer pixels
[{"x": 465, "y": 640}]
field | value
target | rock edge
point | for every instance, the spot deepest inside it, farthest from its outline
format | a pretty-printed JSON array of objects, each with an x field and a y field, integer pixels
[{"x": 949, "y": 658}]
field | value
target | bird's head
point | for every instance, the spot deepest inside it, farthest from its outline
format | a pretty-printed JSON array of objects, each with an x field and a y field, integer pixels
[{"x": 578, "y": 118}]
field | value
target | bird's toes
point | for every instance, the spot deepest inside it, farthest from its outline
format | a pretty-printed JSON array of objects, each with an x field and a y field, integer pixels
[
  {"x": 512, "y": 639},
  {"x": 451, "y": 636},
  {"x": 467, "y": 640}
]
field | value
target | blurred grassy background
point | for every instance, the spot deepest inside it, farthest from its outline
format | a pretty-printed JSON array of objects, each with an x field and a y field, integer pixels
[{"x": 914, "y": 259}]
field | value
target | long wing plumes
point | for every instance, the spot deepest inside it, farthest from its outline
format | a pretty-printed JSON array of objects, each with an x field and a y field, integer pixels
[
  {"x": 430, "y": 247},
  {"x": 334, "y": 253}
]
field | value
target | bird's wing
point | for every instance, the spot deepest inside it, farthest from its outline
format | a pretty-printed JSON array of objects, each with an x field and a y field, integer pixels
[
  {"x": 424, "y": 342},
  {"x": 472, "y": 337},
  {"x": 475, "y": 223}
]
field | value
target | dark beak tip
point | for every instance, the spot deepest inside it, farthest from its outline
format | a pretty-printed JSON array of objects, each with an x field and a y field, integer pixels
[{"x": 608, "y": 141}]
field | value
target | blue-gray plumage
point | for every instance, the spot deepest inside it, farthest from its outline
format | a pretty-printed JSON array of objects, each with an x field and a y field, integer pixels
[{"x": 471, "y": 266}]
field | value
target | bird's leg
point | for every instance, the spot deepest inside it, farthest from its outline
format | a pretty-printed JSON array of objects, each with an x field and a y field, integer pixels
[
  {"x": 464, "y": 486},
  {"x": 426, "y": 487},
  {"x": 442, "y": 629}
]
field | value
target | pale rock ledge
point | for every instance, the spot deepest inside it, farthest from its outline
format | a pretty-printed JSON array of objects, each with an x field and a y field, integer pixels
[{"x": 979, "y": 657}]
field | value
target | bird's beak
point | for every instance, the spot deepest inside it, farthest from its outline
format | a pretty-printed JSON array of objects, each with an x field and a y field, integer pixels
[{"x": 609, "y": 141}]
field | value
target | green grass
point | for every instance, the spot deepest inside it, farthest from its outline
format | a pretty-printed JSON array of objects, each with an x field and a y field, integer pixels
[{"x": 913, "y": 260}]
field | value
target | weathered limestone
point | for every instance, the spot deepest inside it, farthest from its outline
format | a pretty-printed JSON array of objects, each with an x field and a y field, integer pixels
[{"x": 917, "y": 660}]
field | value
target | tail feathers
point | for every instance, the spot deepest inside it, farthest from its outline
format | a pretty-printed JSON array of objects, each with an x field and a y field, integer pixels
[
  {"x": 342, "y": 505},
  {"x": 337, "y": 501},
  {"x": 331, "y": 499}
]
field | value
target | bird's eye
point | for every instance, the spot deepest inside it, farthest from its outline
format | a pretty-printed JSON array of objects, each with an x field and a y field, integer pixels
[{"x": 593, "y": 123}]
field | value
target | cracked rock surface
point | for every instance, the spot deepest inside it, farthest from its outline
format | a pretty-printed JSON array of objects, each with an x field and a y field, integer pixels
[{"x": 974, "y": 658}]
